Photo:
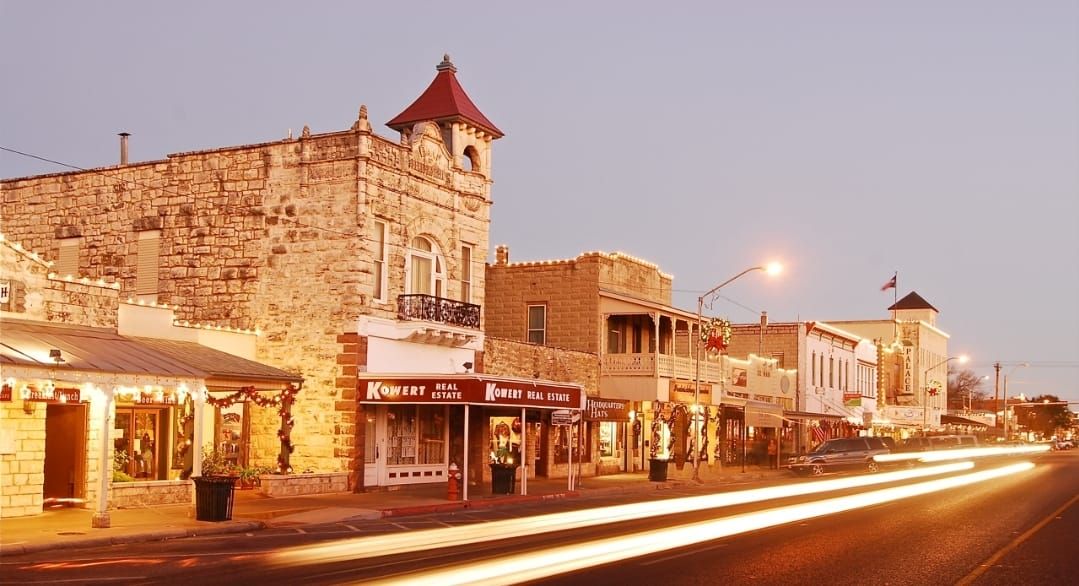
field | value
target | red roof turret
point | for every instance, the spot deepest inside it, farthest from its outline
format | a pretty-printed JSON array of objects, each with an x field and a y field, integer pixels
[{"x": 444, "y": 101}]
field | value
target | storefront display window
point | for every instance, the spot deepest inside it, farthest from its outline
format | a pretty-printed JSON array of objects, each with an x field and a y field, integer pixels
[
  {"x": 505, "y": 440},
  {"x": 416, "y": 434},
  {"x": 608, "y": 437},
  {"x": 139, "y": 439},
  {"x": 581, "y": 448}
]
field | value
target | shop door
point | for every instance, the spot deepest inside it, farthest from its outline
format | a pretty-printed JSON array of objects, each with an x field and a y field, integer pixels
[
  {"x": 374, "y": 446},
  {"x": 65, "y": 451}
]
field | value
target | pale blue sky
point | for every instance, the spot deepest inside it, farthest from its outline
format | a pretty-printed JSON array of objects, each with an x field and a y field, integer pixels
[{"x": 850, "y": 140}]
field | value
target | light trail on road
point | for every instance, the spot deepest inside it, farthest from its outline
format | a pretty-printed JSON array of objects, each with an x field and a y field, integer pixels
[
  {"x": 414, "y": 541},
  {"x": 577, "y": 556},
  {"x": 961, "y": 454}
]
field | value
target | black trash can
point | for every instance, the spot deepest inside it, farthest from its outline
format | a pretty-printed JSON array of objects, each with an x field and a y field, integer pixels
[
  {"x": 503, "y": 478},
  {"x": 657, "y": 470},
  {"x": 213, "y": 497}
]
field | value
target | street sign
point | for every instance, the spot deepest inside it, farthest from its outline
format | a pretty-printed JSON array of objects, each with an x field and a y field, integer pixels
[{"x": 565, "y": 417}]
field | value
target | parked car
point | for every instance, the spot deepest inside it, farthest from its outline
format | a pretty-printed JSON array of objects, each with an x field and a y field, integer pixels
[
  {"x": 1064, "y": 444},
  {"x": 938, "y": 442},
  {"x": 852, "y": 453}
]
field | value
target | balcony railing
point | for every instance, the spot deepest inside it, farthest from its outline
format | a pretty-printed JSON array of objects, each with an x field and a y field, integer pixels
[
  {"x": 663, "y": 365},
  {"x": 438, "y": 309}
]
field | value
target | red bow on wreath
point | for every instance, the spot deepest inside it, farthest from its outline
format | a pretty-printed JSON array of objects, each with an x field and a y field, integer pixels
[{"x": 715, "y": 343}]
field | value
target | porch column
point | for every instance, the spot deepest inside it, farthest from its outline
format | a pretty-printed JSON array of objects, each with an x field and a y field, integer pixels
[
  {"x": 524, "y": 452},
  {"x": 655, "y": 336},
  {"x": 100, "y": 518},
  {"x": 197, "y": 436}
]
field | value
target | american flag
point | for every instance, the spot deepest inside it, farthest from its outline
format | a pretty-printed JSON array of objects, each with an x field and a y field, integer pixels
[{"x": 819, "y": 433}]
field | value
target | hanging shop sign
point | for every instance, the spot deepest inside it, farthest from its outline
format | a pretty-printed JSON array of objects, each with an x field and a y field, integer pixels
[
  {"x": 473, "y": 390},
  {"x": 52, "y": 395},
  {"x": 600, "y": 409}
]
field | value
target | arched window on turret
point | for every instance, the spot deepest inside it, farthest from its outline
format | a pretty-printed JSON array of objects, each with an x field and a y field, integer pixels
[
  {"x": 426, "y": 268},
  {"x": 471, "y": 159}
]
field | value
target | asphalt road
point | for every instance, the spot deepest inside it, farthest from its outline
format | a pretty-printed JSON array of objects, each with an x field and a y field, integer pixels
[{"x": 1020, "y": 529}]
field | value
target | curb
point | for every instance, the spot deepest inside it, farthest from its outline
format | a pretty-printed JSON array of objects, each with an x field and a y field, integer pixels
[
  {"x": 123, "y": 539},
  {"x": 483, "y": 504}
]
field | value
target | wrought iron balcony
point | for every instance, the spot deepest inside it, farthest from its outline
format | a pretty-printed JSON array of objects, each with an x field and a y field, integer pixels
[{"x": 438, "y": 309}]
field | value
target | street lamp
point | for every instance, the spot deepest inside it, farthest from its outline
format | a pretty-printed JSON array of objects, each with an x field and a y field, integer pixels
[
  {"x": 1011, "y": 370},
  {"x": 772, "y": 269},
  {"x": 925, "y": 389},
  {"x": 970, "y": 390}
]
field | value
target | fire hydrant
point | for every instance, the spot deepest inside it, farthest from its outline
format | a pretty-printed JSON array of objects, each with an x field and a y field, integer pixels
[{"x": 454, "y": 474}]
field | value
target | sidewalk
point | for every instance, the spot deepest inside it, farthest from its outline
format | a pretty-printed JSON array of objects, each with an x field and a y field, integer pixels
[{"x": 70, "y": 528}]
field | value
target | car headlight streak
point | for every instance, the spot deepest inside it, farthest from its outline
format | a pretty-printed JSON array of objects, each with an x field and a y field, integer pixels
[
  {"x": 559, "y": 560},
  {"x": 412, "y": 541}
]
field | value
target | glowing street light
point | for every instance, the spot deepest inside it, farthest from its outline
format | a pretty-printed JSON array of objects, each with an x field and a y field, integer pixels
[
  {"x": 962, "y": 358},
  {"x": 771, "y": 269}
]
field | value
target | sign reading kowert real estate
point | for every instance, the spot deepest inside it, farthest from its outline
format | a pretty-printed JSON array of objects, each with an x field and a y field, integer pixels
[{"x": 472, "y": 390}]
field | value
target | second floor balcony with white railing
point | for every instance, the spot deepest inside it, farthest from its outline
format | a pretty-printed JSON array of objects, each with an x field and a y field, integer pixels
[{"x": 660, "y": 365}]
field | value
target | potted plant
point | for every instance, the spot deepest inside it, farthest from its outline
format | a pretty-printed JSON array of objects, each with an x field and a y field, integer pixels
[
  {"x": 503, "y": 470},
  {"x": 214, "y": 489},
  {"x": 250, "y": 476}
]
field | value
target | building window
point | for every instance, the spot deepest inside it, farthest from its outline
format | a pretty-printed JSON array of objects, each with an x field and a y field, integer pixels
[
  {"x": 379, "y": 244},
  {"x": 831, "y": 372},
  {"x": 148, "y": 262},
  {"x": 466, "y": 273},
  {"x": 780, "y": 359},
  {"x": 416, "y": 435},
  {"x": 813, "y": 369},
  {"x": 67, "y": 261},
  {"x": 537, "y": 324},
  {"x": 141, "y": 442},
  {"x": 608, "y": 438},
  {"x": 425, "y": 268}
]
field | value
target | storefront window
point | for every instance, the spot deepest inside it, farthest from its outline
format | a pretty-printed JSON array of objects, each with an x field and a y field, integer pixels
[
  {"x": 231, "y": 444},
  {"x": 415, "y": 434},
  {"x": 505, "y": 440},
  {"x": 608, "y": 437},
  {"x": 581, "y": 448},
  {"x": 140, "y": 441}
]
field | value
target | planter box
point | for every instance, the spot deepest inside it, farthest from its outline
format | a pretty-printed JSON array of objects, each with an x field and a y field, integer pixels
[
  {"x": 131, "y": 495},
  {"x": 301, "y": 484}
]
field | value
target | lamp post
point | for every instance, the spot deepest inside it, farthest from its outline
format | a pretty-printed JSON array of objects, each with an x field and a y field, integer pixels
[
  {"x": 773, "y": 268},
  {"x": 1005, "y": 412},
  {"x": 925, "y": 390}
]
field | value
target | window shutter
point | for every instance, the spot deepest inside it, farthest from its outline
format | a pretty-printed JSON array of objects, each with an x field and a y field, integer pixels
[
  {"x": 148, "y": 262},
  {"x": 67, "y": 262}
]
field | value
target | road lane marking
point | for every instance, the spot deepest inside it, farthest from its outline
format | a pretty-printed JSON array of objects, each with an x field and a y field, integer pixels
[{"x": 989, "y": 563}]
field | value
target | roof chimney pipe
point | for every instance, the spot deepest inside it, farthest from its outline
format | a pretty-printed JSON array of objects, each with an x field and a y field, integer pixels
[{"x": 123, "y": 147}]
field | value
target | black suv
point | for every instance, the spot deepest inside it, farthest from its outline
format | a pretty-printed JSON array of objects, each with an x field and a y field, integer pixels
[{"x": 850, "y": 453}]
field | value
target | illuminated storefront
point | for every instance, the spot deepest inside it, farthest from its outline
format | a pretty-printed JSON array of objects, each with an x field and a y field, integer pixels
[{"x": 419, "y": 424}]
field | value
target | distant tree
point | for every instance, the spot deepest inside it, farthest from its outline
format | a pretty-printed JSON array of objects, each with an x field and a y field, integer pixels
[
  {"x": 1045, "y": 418},
  {"x": 964, "y": 387}
]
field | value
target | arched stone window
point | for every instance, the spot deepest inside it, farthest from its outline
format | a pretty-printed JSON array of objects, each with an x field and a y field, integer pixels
[
  {"x": 471, "y": 159},
  {"x": 426, "y": 268}
]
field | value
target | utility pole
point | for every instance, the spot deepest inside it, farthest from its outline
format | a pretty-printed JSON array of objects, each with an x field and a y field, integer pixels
[{"x": 996, "y": 387}]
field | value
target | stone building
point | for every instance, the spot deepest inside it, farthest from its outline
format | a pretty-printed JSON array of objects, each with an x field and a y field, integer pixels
[
  {"x": 914, "y": 358},
  {"x": 354, "y": 256},
  {"x": 618, "y": 308},
  {"x": 833, "y": 390},
  {"x": 92, "y": 384}
]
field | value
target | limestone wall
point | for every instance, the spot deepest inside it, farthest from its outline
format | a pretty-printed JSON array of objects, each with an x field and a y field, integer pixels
[
  {"x": 273, "y": 236},
  {"x": 511, "y": 358},
  {"x": 22, "y": 460}
]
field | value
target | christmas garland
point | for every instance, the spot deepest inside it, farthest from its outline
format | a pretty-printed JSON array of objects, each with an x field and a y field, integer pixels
[{"x": 283, "y": 401}]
